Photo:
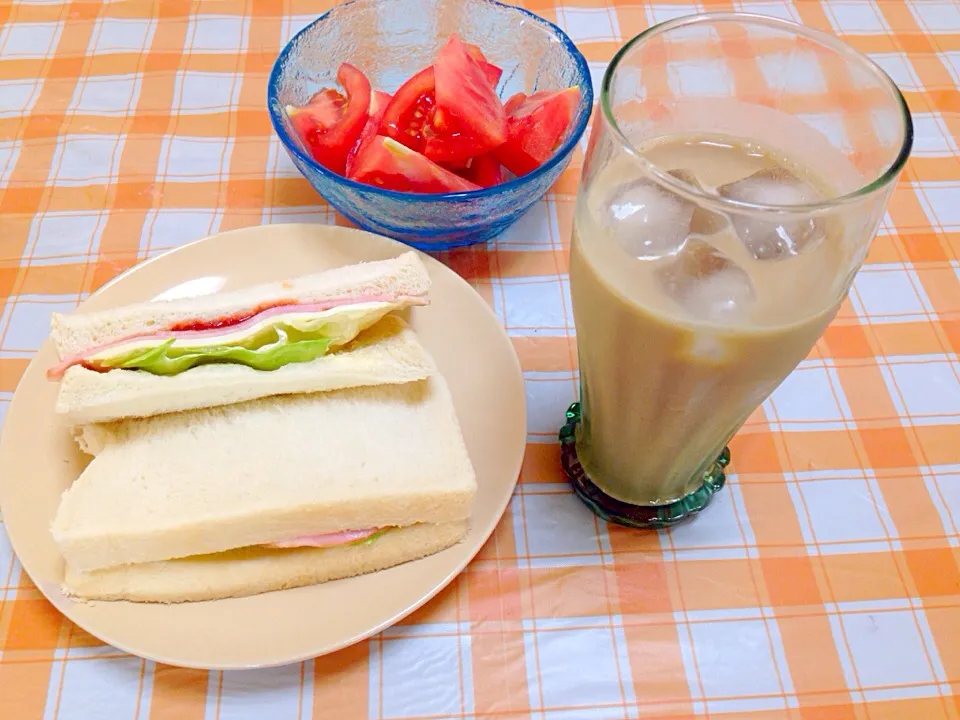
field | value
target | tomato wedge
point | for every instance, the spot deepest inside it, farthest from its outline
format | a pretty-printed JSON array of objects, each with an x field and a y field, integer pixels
[
  {"x": 410, "y": 112},
  {"x": 330, "y": 123},
  {"x": 387, "y": 164},
  {"x": 413, "y": 119},
  {"x": 492, "y": 72},
  {"x": 465, "y": 93},
  {"x": 514, "y": 102},
  {"x": 378, "y": 106},
  {"x": 536, "y": 126},
  {"x": 484, "y": 170}
]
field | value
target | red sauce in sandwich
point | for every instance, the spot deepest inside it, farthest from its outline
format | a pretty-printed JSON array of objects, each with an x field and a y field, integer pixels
[
  {"x": 228, "y": 320},
  {"x": 94, "y": 367}
]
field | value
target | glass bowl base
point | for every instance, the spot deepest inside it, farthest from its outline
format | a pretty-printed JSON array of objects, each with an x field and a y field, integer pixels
[{"x": 635, "y": 516}]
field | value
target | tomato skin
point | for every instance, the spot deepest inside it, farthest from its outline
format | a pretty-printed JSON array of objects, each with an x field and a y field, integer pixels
[
  {"x": 330, "y": 123},
  {"x": 536, "y": 125},
  {"x": 513, "y": 103},
  {"x": 465, "y": 93},
  {"x": 491, "y": 71},
  {"x": 378, "y": 106},
  {"x": 385, "y": 163},
  {"x": 323, "y": 110},
  {"x": 484, "y": 170}
]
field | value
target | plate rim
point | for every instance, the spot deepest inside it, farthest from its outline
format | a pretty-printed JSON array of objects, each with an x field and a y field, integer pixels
[{"x": 62, "y": 603}]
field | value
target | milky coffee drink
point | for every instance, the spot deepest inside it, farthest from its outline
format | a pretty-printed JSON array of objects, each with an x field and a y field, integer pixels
[{"x": 686, "y": 318}]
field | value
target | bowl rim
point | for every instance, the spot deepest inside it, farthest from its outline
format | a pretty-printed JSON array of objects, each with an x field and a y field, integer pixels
[{"x": 560, "y": 155}]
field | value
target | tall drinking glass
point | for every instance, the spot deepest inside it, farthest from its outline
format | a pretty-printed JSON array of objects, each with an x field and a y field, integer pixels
[{"x": 737, "y": 170}]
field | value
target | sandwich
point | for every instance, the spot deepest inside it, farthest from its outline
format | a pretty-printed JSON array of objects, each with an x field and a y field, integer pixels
[
  {"x": 269, "y": 494},
  {"x": 267, "y": 438},
  {"x": 271, "y": 339}
]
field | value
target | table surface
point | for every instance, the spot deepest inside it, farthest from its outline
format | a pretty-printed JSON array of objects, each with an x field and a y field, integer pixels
[{"x": 824, "y": 582}]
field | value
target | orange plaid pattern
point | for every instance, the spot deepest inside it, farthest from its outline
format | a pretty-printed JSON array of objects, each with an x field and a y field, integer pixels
[{"x": 823, "y": 583}]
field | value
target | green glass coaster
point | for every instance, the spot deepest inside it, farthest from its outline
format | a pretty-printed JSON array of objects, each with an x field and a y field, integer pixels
[{"x": 636, "y": 516}]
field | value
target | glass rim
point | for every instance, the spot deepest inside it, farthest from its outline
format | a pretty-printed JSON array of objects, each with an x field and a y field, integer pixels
[{"x": 684, "y": 189}]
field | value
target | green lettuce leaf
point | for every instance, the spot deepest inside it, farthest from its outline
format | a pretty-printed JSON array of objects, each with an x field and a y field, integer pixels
[
  {"x": 296, "y": 338},
  {"x": 371, "y": 539},
  {"x": 165, "y": 359}
]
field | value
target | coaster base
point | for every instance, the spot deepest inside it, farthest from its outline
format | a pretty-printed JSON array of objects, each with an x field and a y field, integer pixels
[{"x": 635, "y": 516}]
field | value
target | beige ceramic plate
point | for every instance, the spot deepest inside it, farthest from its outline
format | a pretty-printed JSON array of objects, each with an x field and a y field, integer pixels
[{"x": 38, "y": 461}]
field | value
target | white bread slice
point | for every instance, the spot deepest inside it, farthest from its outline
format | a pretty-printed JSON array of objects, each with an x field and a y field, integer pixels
[
  {"x": 74, "y": 332},
  {"x": 250, "y": 571},
  {"x": 267, "y": 470},
  {"x": 388, "y": 352}
]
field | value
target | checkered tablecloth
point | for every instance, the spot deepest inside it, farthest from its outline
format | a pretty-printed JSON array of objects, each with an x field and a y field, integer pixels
[{"x": 823, "y": 583}]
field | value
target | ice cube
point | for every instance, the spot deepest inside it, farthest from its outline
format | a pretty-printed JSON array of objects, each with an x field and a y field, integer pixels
[
  {"x": 707, "y": 283},
  {"x": 768, "y": 237},
  {"x": 648, "y": 221},
  {"x": 703, "y": 222}
]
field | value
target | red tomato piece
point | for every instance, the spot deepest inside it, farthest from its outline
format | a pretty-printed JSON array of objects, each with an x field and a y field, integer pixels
[
  {"x": 411, "y": 111},
  {"x": 447, "y": 142},
  {"x": 453, "y": 146},
  {"x": 378, "y": 106},
  {"x": 511, "y": 105},
  {"x": 492, "y": 72},
  {"x": 330, "y": 123},
  {"x": 387, "y": 164},
  {"x": 457, "y": 166},
  {"x": 325, "y": 107},
  {"x": 484, "y": 170},
  {"x": 535, "y": 127},
  {"x": 465, "y": 93},
  {"x": 413, "y": 118}
]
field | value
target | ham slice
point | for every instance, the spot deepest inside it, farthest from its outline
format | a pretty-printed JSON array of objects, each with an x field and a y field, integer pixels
[
  {"x": 326, "y": 540},
  {"x": 57, "y": 371}
]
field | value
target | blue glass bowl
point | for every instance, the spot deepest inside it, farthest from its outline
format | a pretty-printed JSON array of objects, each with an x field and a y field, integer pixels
[{"x": 390, "y": 40}]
